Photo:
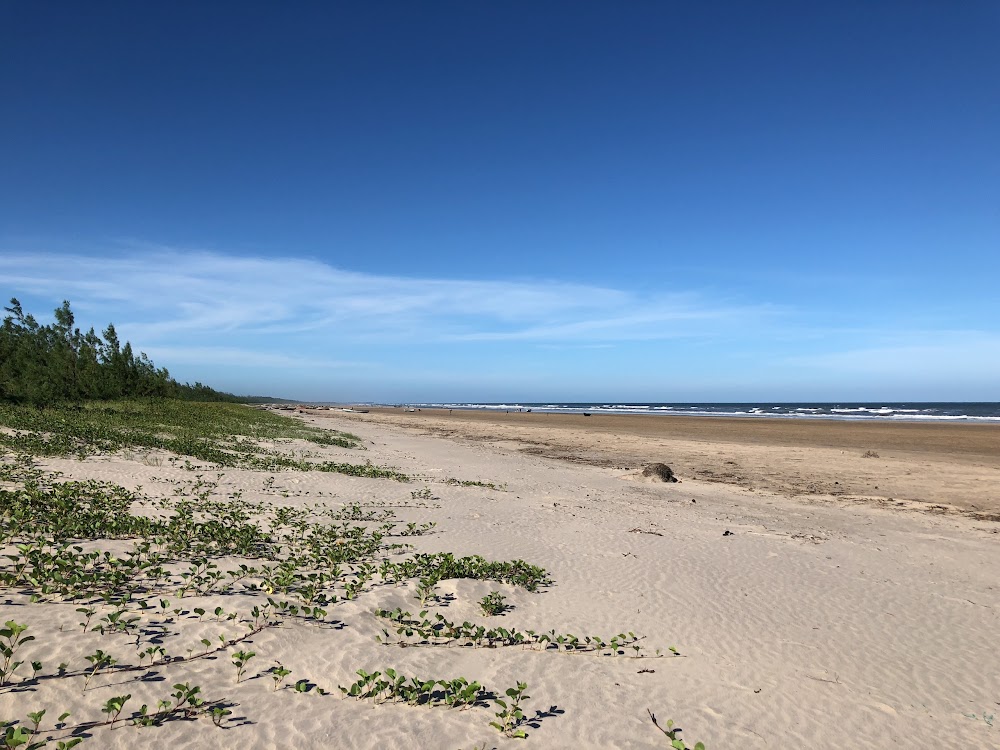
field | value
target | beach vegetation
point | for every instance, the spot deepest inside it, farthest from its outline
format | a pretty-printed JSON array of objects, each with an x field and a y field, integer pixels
[
  {"x": 43, "y": 365},
  {"x": 138, "y": 570},
  {"x": 510, "y": 717},
  {"x": 425, "y": 590},
  {"x": 392, "y": 686},
  {"x": 23, "y": 738},
  {"x": 68, "y": 393},
  {"x": 493, "y": 604},
  {"x": 216, "y": 434},
  {"x": 113, "y": 707},
  {"x": 672, "y": 733},
  {"x": 445, "y": 565},
  {"x": 240, "y": 660},
  {"x": 475, "y": 483},
  {"x": 298, "y": 562},
  {"x": 987, "y": 718},
  {"x": 278, "y": 673},
  {"x": 12, "y": 638},
  {"x": 13, "y": 736},
  {"x": 98, "y": 661},
  {"x": 420, "y": 630}
]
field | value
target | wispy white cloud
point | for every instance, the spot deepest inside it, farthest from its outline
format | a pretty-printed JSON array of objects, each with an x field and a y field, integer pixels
[
  {"x": 679, "y": 317},
  {"x": 224, "y": 317},
  {"x": 170, "y": 293}
]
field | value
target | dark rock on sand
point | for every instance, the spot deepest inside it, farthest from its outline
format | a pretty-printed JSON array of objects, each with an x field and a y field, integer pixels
[{"x": 660, "y": 472}]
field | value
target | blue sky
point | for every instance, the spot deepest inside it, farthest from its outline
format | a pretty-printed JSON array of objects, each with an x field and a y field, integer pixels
[{"x": 515, "y": 201}]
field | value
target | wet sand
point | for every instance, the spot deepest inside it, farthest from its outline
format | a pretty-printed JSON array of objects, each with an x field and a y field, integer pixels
[{"x": 931, "y": 466}]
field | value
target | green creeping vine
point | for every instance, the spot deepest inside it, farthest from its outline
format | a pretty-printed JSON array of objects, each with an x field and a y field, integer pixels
[
  {"x": 292, "y": 563},
  {"x": 98, "y": 661},
  {"x": 158, "y": 558},
  {"x": 113, "y": 707},
  {"x": 187, "y": 703},
  {"x": 21, "y": 737},
  {"x": 217, "y": 433},
  {"x": 473, "y": 483},
  {"x": 110, "y": 426},
  {"x": 391, "y": 686},
  {"x": 40, "y": 519},
  {"x": 444, "y": 565},
  {"x": 493, "y": 604},
  {"x": 443, "y": 632}
]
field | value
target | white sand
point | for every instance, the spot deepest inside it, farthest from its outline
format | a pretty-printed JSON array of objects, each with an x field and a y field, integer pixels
[{"x": 817, "y": 625}]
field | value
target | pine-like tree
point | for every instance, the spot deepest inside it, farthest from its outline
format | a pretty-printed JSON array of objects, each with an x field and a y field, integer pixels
[{"x": 54, "y": 363}]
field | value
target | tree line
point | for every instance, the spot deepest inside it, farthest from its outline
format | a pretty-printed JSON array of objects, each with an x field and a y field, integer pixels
[{"x": 48, "y": 364}]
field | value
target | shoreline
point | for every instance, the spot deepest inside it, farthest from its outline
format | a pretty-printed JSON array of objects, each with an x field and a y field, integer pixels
[
  {"x": 743, "y": 416},
  {"x": 948, "y": 465},
  {"x": 913, "y": 434},
  {"x": 960, "y": 412}
]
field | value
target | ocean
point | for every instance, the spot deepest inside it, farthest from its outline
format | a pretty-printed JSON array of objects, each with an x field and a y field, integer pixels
[{"x": 955, "y": 411}]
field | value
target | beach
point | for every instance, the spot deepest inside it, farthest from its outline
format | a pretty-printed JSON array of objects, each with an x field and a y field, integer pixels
[
  {"x": 786, "y": 592},
  {"x": 955, "y": 467},
  {"x": 500, "y": 376}
]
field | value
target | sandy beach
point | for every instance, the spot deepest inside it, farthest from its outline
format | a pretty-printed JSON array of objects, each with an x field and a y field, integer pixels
[
  {"x": 500, "y": 376},
  {"x": 816, "y": 598},
  {"x": 937, "y": 467}
]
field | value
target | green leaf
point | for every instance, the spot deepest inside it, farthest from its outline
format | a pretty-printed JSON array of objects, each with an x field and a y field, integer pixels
[{"x": 16, "y": 737}]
